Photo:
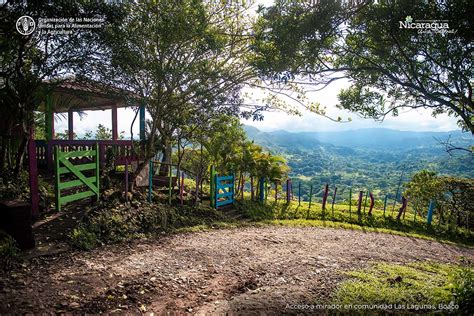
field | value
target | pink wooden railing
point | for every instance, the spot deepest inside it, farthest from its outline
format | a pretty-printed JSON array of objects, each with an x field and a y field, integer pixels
[{"x": 122, "y": 150}]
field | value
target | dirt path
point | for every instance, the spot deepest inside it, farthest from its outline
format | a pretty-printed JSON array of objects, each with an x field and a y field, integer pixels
[{"x": 241, "y": 270}]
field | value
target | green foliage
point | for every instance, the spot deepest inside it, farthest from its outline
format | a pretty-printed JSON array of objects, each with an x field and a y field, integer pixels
[
  {"x": 83, "y": 239},
  {"x": 9, "y": 252},
  {"x": 411, "y": 284},
  {"x": 463, "y": 290},
  {"x": 226, "y": 146},
  {"x": 390, "y": 67},
  {"x": 176, "y": 57},
  {"x": 14, "y": 187},
  {"x": 113, "y": 222},
  {"x": 371, "y": 159},
  {"x": 454, "y": 196}
]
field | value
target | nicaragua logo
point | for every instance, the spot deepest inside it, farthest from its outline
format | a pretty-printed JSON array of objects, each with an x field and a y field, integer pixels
[
  {"x": 25, "y": 25},
  {"x": 425, "y": 26}
]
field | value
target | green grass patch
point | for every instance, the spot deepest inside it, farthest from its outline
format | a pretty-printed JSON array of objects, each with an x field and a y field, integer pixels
[
  {"x": 341, "y": 216},
  {"x": 415, "y": 286}
]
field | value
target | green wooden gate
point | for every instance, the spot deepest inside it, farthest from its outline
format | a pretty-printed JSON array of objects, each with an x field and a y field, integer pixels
[{"x": 63, "y": 166}]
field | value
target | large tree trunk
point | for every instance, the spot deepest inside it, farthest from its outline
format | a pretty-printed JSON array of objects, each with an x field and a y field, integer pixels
[{"x": 166, "y": 160}]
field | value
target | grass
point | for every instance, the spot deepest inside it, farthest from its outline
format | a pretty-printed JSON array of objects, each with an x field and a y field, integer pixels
[
  {"x": 281, "y": 213},
  {"x": 413, "y": 287}
]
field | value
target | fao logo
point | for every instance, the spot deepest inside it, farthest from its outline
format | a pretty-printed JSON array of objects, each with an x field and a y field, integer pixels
[{"x": 25, "y": 25}]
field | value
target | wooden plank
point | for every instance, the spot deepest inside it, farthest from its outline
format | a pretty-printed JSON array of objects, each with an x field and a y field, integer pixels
[
  {"x": 77, "y": 196},
  {"x": 79, "y": 153},
  {"x": 75, "y": 183},
  {"x": 224, "y": 186},
  {"x": 221, "y": 195},
  {"x": 78, "y": 174},
  {"x": 86, "y": 166},
  {"x": 225, "y": 178},
  {"x": 225, "y": 202}
]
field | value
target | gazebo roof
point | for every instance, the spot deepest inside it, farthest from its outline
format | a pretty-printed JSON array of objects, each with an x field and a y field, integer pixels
[{"x": 85, "y": 96}]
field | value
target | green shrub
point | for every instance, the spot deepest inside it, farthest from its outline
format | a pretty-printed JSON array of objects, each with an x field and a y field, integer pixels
[
  {"x": 113, "y": 221},
  {"x": 463, "y": 290},
  {"x": 84, "y": 239},
  {"x": 9, "y": 252}
]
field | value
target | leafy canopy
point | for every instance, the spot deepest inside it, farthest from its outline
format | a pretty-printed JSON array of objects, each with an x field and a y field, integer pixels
[{"x": 389, "y": 67}]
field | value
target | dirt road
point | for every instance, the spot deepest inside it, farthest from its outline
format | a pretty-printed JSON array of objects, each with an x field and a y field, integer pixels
[{"x": 246, "y": 270}]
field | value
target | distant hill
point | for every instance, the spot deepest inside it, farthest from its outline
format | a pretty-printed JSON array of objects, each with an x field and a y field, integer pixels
[
  {"x": 370, "y": 138},
  {"x": 366, "y": 158}
]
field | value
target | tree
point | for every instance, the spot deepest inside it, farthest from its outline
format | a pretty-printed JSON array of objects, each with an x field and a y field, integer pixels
[
  {"x": 184, "y": 61},
  {"x": 29, "y": 61},
  {"x": 390, "y": 66},
  {"x": 453, "y": 196}
]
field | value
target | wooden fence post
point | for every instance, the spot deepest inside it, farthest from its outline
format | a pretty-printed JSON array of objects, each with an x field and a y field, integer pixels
[
  {"x": 213, "y": 186},
  {"x": 372, "y": 202},
  {"x": 170, "y": 184},
  {"x": 197, "y": 191},
  {"x": 252, "y": 194},
  {"x": 385, "y": 205},
  {"x": 365, "y": 201},
  {"x": 288, "y": 190},
  {"x": 325, "y": 196},
  {"x": 243, "y": 187},
  {"x": 333, "y": 200},
  {"x": 150, "y": 180},
  {"x": 350, "y": 203},
  {"x": 359, "y": 204},
  {"x": 126, "y": 179},
  {"x": 181, "y": 188},
  {"x": 33, "y": 174},
  {"x": 299, "y": 193},
  {"x": 310, "y": 195}
]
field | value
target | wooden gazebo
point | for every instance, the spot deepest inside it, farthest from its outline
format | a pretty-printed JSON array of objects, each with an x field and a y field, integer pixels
[{"x": 69, "y": 97}]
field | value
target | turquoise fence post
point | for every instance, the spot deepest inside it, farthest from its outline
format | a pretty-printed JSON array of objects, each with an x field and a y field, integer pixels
[
  {"x": 430, "y": 212},
  {"x": 262, "y": 189},
  {"x": 150, "y": 180},
  {"x": 385, "y": 205}
]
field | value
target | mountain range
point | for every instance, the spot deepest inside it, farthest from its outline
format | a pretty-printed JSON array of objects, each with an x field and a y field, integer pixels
[{"x": 376, "y": 158}]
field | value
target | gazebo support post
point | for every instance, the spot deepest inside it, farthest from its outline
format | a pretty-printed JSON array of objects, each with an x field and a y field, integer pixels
[
  {"x": 33, "y": 173},
  {"x": 142, "y": 122},
  {"x": 49, "y": 132},
  {"x": 70, "y": 124},
  {"x": 114, "y": 122}
]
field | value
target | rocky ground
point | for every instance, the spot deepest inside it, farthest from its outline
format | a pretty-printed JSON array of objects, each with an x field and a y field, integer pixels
[{"x": 246, "y": 270}]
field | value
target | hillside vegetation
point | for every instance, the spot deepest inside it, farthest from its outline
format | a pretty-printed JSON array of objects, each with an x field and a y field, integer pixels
[{"x": 366, "y": 159}]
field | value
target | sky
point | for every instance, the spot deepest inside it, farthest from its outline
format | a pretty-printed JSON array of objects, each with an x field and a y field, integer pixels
[{"x": 414, "y": 120}]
